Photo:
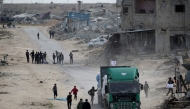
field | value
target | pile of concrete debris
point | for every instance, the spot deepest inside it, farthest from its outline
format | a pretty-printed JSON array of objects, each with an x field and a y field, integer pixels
[
  {"x": 19, "y": 17},
  {"x": 102, "y": 21}
]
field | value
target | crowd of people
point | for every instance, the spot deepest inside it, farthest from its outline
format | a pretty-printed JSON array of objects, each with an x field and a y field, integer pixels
[
  {"x": 37, "y": 57},
  {"x": 81, "y": 104},
  {"x": 40, "y": 57}
]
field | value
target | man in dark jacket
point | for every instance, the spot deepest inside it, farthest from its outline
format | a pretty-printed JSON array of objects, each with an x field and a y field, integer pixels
[
  {"x": 32, "y": 56},
  {"x": 86, "y": 105},
  {"x": 53, "y": 58},
  {"x": 27, "y": 56},
  {"x": 80, "y": 104},
  {"x": 71, "y": 57},
  {"x": 91, "y": 92},
  {"x": 38, "y": 35},
  {"x": 55, "y": 91},
  {"x": 69, "y": 100},
  {"x": 170, "y": 81}
]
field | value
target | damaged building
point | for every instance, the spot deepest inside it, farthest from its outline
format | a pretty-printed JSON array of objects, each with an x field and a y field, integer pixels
[{"x": 156, "y": 25}]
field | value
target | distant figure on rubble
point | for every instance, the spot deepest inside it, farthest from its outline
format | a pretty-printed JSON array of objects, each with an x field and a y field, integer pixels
[
  {"x": 27, "y": 56},
  {"x": 71, "y": 57},
  {"x": 3, "y": 25},
  {"x": 50, "y": 33},
  {"x": 38, "y": 35},
  {"x": 74, "y": 29},
  {"x": 32, "y": 56},
  {"x": 146, "y": 88},
  {"x": 53, "y": 33},
  {"x": 53, "y": 58},
  {"x": 170, "y": 87},
  {"x": 54, "y": 91}
]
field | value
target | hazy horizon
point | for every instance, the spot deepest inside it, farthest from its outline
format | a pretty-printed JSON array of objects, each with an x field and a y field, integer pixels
[{"x": 58, "y": 1}]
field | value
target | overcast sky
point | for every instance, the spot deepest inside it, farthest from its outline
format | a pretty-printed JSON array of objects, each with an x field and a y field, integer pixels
[{"x": 58, "y": 1}]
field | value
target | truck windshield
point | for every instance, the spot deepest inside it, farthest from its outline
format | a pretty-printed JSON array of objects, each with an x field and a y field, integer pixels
[{"x": 124, "y": 87}]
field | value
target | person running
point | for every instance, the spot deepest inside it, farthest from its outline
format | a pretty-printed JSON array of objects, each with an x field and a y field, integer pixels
[
  {"x": 53, "y": 58},
  {"x": 38, "y": 35},
  {"x": 27, "y": 56},
  {"x": 170, "y": 81},
  {"x": 69, "y": 100},
  {"x": 80, "y": 104},
  {"x": 74, "y": 90},
  {"x": 86, "y": 105},
  {"x": 71, "y": 57},
  {"x": 54, "y": 91},
  {"x": 146, "y": 88},
  {"x": 91, "y": 92}
]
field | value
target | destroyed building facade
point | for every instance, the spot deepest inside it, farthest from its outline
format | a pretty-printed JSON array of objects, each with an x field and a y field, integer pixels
[{"x": 163, "y": 25}]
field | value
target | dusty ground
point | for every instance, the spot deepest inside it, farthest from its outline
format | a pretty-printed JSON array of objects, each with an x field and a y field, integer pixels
[{"x": 20, "y": 86}]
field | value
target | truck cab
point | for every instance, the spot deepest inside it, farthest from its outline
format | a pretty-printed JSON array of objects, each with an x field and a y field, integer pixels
[{"x": 120, "y": 88}]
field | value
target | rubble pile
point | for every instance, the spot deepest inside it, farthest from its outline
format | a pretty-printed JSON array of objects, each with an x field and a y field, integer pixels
[
  {"x": 102, "y": 21},
  {"x": 19, "y": 17}
]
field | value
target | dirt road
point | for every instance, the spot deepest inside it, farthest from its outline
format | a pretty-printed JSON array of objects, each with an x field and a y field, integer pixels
[{"x": 83, "y": 76}]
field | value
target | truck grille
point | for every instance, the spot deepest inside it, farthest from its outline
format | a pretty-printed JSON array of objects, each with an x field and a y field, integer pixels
[{"x": 124, "y": 106}]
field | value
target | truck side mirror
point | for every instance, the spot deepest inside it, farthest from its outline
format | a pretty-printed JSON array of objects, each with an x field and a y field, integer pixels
[{"x": 106, "y": 89}]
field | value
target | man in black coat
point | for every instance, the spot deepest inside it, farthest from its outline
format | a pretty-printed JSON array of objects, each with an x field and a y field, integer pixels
[
  {"x": 32, "y": 55},
  {"x": 27, "y": 56},
  {"x": 86, "y": 105},
  {"x": 69, "y": 100}
]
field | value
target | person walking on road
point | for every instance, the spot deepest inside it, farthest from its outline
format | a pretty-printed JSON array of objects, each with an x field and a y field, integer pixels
[
  {"x": 61, "y": 58},
  {"x": 54, "y": 91},
  {"x": 38, "y": 35},
  {"x": 71, "y": 57},
  {"x": 170, "y": 81},
  {"x": 50, "y": 33},
  {"x": 27, "y": 56},
  {"x": 69, "y": 100},
  {"x": 86, "y": 105},
  {"x": 44, "y": 55},
  {"x": 53, "y": 58},
  {"x": 32, "y": 56},
  {"x": 91, "y": 92},
  {"x": 146, "y": 88},
  {"x": 74, "y": 90},
  {"x": 80, "y": 104}
]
